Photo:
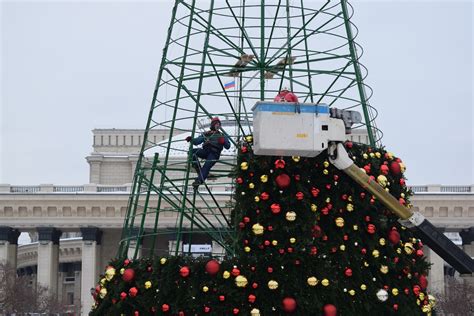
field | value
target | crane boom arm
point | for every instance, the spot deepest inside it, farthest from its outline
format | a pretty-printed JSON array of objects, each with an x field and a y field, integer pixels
[{"x": 426, "y": 231}]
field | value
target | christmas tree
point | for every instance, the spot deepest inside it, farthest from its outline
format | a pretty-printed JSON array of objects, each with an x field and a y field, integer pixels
[{"x": 311, "y": 242}]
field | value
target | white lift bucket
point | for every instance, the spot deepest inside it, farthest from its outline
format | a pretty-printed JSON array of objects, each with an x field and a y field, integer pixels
[{"x": 294, "y": 129}]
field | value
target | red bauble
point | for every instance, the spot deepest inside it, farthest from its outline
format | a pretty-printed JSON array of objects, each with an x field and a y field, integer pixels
[
  {"x": 348, "y": 145},
  {"x": 325, "y": 211},
  {"x": 255, "y": 285},
  {"x": 126, "y": 262},
  {"x": 133, "y": 292},
  {"x": 244, "y": 149},
  {"x": 423, "y": 282},
  {"x": 395, "y": 307},
  {"x": 367, "y": 168},
  {"x": 317, "y": 231},
  {"x": 416, "y": 290},
  {"x": 165, "y": 307},
  {"x": 239, "y": 180},
  {"x": 184, "y": 272},
  {"x": 283, "y": 181},
  {"x": 279, "y": 164},
  {"x": 314, "y": 192},
  {"x": 348, "y": 272},
  {"x": 270, "y": 270},
  {"x": 207, "y": 309},
  {"x": 384, "y": 169},
  {"x": 297, "y": 177},
  {"x": 402, "y": 182},
  {"x": 246, "y": 219},
  {"x": 330, "y": 310},
  {"x": 221, "y": 298},
  {"x": 419, "y": 253},
  {"x": 235, "y": 311},
  {"x": 235, "y": 272},
  {"x": 264, "y": 196},
  {"x": 136, "y": 313},
  {"x": 128, "y": 275},
  {"x": 371, "y": 229},
  {"x": 313, "y": 250},
  {"x": 212, "y": 267},
  {"x": 395, "y": 167},
  {"x": 181, "y": 313},
  {"x": 123, "y": 296},
  {"x": 289, "y": 304},
  {"x": 299, "y": 196},
  {"x": 394, "y": 237},
  {"x": 275, "y": 207},
  {"x": 252, "y": 298}
]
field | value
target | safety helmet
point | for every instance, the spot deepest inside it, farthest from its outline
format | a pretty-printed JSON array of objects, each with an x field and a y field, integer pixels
[{"x": 214, "y": 121}]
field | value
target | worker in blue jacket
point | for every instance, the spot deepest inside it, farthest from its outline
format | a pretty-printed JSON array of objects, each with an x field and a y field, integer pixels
[{"x": 214, "y": 141}]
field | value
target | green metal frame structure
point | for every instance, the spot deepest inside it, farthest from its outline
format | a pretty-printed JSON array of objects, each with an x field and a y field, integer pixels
[{"x": 307, "y": 46}]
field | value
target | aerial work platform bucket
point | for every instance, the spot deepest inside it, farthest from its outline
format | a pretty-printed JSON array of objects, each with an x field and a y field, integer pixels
[{"x": 294, "y": 129}]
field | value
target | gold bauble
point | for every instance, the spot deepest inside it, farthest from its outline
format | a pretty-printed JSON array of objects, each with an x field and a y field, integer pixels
[
  {"x": 163, "y": 260},
  {"x": 147, "y": 285},
  {"x": 205, "y": 289},
  {"x": 389, "y": 155},
  {"x": 325, "y": 172},
  {"x": 109, "y": 273},
  {"x": 402, "y": 167},
  {"x": 122, "y": 270},
  {"x": 241, "y": 281},
  {"x": 257, "y": 229},
  {"x": 384, "y": 269},
  {"x": 102, "y": 281},
  {"x": 372, "y": 155},
  {"x": 247, "y": 249},
  {"x": 365, "y": 156},
  {"x": 255, "y": 312},
  {"x": 295, "y": 158},
  {"x": 290, "y": 216},
  {"x": 328, "y": 199},
  {"x": 257, "y": 198},
  {"x": 339, "y": 222},
  {"x": 352, "y": 292},
  {"x": 251, "y": 185},
  {"x": 376, "y": 253},
  {"x": 326, "y": 164},
  {"x": 363, "y": 287},
  {"x": 432, "y": 300},
  {"x": 342, "y": 247},
  {"x": 264, "y": 178},
  {"x": 244, "y": 165},
  {"x": 378, "y": 155},
  {"x": 350, "y": 207},
  {"x": 355, "y": 227},
  {"x": 408, "y": 247},
  {"x": 249, "y": 138},
  {"x": 226, "y": 274},
  {"x": 395, "y": 291},
  {"x": 382, "y": 180},
  {"x": 399, "y": 250},
  {"x": 312, "y": 281},
  {"x": 382, "y": 241},
  {"x": 422, "y": 296},
  {"x": 314, "y": 207},
  {"x": 366, "y": 264},
  {"x": 325, "y": 282},
  {"x": 103, "y": 292},
  {"x": 426, "y": 308},
  {"x": 272, "y": 285},
  {"x": 292, "y": 240},
  {"x": 274, "y": 242}
]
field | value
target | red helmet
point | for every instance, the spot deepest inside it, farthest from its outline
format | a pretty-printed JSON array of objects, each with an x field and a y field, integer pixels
[{"x": 214, "y": 121}]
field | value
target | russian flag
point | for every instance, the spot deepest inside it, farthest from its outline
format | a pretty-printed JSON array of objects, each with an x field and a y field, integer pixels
[{"x": 229, "y": 85}]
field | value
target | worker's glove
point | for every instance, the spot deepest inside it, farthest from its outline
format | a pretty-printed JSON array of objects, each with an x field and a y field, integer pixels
[
  {"x": 188, "y": 139},
  {"x": 221, "y": 140}
]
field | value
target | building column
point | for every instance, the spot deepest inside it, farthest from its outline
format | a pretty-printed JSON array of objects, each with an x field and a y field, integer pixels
[
  {"x": 91, "y": 240},
  {"x": 95, "y": 162},
  {"x": 436, "y": 273},
  {"x": 48, "y": 257},
  {"x": 467, "y": 236},
  {"x": 133, "y": 162},
  {"x": 9, "y": 245}
]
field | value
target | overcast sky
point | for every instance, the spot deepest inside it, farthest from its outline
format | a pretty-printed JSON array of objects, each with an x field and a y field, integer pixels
[{"x": 68, "y": 67}]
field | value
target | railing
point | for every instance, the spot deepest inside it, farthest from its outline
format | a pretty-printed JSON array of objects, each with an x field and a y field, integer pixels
[
  {"x": 25, "y": 189},
  {"x": 69, "y": 188},
  {"x": 49, "y": 188}
]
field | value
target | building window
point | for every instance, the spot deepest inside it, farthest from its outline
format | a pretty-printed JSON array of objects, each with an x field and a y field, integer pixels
[{"x": 70, "y": 298}]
